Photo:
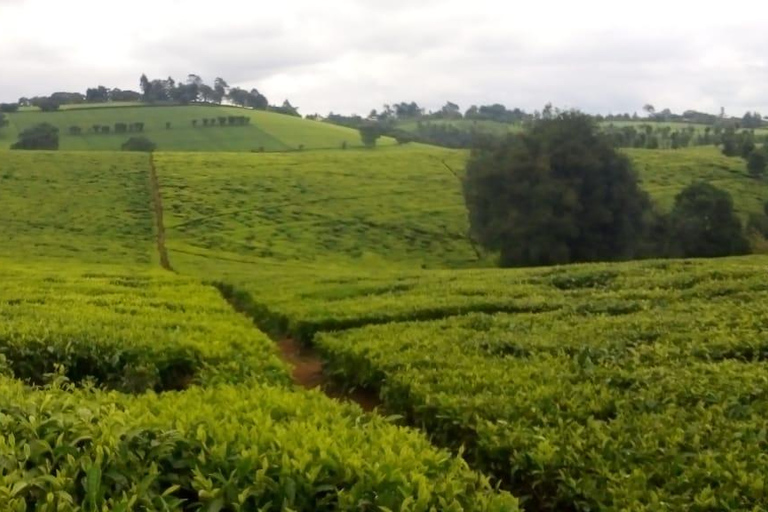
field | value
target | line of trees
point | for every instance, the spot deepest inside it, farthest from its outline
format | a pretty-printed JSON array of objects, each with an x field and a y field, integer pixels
[{"x": 160, "y": 91}]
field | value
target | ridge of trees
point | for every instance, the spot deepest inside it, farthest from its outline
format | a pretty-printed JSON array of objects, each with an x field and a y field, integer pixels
[{"x": 159, "y": 91}]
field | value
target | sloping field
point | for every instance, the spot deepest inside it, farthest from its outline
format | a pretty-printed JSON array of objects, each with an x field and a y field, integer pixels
[
  {"x": 92, "y": 207},
  {"x": 390, "y": 207},
  {"x": 267, "y": 131},
  {"x": 664, "y": 173}
]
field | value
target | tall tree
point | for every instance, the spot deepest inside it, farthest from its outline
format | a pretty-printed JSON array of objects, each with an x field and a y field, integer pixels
[
  {"x": 704, "y": 224},
  {"x": 220, "y": 89},
  {"x": 558, "y": 193}
]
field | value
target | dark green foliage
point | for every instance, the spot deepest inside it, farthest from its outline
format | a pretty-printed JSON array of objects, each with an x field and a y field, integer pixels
[
  {"x": 47, "y": 104},
  {"x": 121, "y": 127},
  {"x": 3, "y": 120},
  {"x": 139, "y": 144},
  {"x": 370, "y": 133},
  {"x": 41, "y": 136},
  {"x": 9, "y": 108},
  {"x": 557, "y": 194},
  {"x": 75, "y": 130},
  {"x": 757, "y": 161},
  {"x": 704, "y": 224}
]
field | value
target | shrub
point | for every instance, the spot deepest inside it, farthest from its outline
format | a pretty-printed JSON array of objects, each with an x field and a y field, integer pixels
[
  {"x": 704, "y": 224},
  {"x": 139, "y": 144},
  {"x": 41, "y": 136}
]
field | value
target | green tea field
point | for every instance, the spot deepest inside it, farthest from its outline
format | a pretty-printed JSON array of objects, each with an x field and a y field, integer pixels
[
  {"x": 637, "y": 386},
  {"x": 266, "y": 131}
]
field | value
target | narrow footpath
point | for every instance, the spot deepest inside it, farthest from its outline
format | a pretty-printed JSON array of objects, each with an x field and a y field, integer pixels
[
  {"x": 306, "y": 363},
  {"x": 157, "y": 201}
]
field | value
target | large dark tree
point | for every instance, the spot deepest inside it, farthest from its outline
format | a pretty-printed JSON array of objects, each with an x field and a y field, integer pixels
[
  {"x": 370, "y": 133},
  {"x": 703, "y": 223},
  {"x": 41, "y": 136},
  {"x": 558, "y": 193}
]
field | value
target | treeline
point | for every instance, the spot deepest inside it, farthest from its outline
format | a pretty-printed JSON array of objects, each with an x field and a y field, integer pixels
[
  {"x": 411, "y": 111},
  {"x": 159, "y": 91},
  {"x": 748, "y": 121}
]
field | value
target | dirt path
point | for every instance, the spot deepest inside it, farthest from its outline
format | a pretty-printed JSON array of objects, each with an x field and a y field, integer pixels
[
  {"x": 308, "y": 373},
  {"x": 157, "y": 201}
]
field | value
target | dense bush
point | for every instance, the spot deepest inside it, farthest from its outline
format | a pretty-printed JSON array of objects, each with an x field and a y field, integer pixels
[
  {"x": 704, "y": 224},
  {"x": 41, "y": 136},
  {"x": 139, "y": 144}
]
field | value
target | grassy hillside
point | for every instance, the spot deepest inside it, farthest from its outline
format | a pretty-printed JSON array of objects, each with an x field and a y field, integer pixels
[
  {"x": 664, "y": 173},
  {"x": 268, "y": 131},
  {"x": 91, "y": 207},
  {"x": 389, "y": 207}
]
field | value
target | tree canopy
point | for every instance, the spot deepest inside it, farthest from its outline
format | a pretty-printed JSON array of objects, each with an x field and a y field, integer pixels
[
  {"x": 40, "y": 136},
  {"x": 558, "y": 193},
  {"x": 704, "y": 224}
]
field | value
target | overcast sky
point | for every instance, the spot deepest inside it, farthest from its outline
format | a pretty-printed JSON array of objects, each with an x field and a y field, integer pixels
[{"x": 353, "y": 55}]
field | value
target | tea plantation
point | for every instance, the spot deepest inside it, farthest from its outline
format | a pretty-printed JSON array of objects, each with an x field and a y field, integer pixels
[{"x": 125, "y": 386}]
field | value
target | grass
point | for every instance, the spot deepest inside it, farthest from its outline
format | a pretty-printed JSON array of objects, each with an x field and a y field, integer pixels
[
  {"x": 89, "y": 207},
  {"x": 268, "y": 131}
]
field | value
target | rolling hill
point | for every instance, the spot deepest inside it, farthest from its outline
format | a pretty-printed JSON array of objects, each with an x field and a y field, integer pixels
[{"x": 267, "y": 131}]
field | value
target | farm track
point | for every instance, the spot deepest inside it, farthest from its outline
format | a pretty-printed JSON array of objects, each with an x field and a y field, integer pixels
[
  {"x": 307, "y": 365},
  {"x": 157, "y": 201},
  {"x": 308, "y": 373}
]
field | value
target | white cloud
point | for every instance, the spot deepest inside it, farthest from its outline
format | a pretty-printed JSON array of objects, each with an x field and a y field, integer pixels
[{"x": 347, "y": 55}]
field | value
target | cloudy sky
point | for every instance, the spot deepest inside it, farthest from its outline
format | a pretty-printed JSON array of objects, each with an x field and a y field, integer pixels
[{"x": 353, "y": 55}]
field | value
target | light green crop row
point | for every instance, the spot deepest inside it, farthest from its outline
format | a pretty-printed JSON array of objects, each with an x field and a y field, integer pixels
[
  {"x": 646, "y": 389},
  {"x": 222, "y": 448},
  {"x": 127, "y": 330}
]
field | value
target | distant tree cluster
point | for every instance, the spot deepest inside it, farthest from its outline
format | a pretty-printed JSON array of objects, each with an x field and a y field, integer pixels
[
  {"x": 222, "y": 121},
  {"x": 163, "y": 91},
  {"x": 194, "y": 89},
  {"x": 742, "y": 144},
  {"x": 101, "y": 94},
  {"x": 561, "y": 193}
]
